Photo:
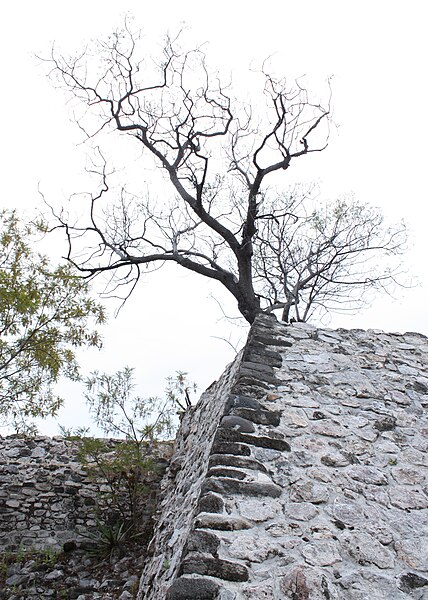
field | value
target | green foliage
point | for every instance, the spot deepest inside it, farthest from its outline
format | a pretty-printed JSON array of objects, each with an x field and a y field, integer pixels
[
  {"x": 109, "y": 541},
  {"x": 122, "y": 466},
  {"x": 118, "y": 412},
  {"x": 45, "y": 315},
  {"x": 179, "y": 389}
]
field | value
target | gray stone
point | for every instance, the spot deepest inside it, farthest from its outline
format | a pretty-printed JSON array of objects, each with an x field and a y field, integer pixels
[
  {"x": 328, "y": 428},
  {"x": 365, "y": 474},
  {"x": 238, "y": 424},
  {"x": 412, "y": 581},
  {"x": 301, "y": 511},
  {"x": 307, "y": 491},
  {"x": 236, "y": 461},
  {"x": 259, "y": 510},
  {"x": 221, "y": 522},
  {"x": 211, "y": 503},
  {"x": 413, "y": 552},
  {"x": 224, "y": 485},
  {"x": 198, "y": 588},
  {"x": 321, "y": 554},
  {"x": 408, "y": 499},
  {"x": 202, "y": 541},
  {"x": 236, "y": 449},
  {"x": 214, "y": 567},
  {"x": 260, "y": 416},
  {"x": 306, "y": 583},
  {"x": 367, "y": 550},
  {"x": 231, "y": 435}
]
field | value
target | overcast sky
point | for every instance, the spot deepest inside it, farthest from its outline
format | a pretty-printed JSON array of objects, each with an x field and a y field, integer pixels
[{"x": 376, "y": 52}]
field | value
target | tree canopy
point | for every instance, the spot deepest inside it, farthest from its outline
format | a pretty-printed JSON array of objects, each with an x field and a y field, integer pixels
[
  {"x": 45, "y": 316},
  {"x": 221, "y": 213}
]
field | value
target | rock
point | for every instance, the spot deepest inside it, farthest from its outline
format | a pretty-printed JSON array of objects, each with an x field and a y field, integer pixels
[
  {"x": 202, "y": 541},
  {"x": 259, "y": 510},
  {"x": 238, "y": 424},
  {"x": 307, "y": 491},
  {"x": 260, "y": 416},
  {"x": 214, "y": 567},
  {"x": 301, "y": 511},
  {"x": 367, "y": 550},
  {"x": 221, "y": 522},
  {"x": 306, "y": 583},
  {"x": 211, "y": 503},
  {"x": 321, "y": 554},
  {"x": 198, "y": 588},
  {"x": 413, "y": 552},
  {"x": 224, "y": 485},
  {"x": 408, "y": 499},
  {"x": 369, "y": 475},
  {"x": 412, "y": 581},
  {"x": 236, "y": 461}
]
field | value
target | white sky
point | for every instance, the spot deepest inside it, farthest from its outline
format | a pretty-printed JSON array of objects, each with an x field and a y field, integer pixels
[{"x": 376, "y": 51}]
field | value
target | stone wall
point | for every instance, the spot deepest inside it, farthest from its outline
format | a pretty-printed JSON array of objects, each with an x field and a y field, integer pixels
[
  {"x": 302, "y": 474},
  {"x": 47, "y": 497}
]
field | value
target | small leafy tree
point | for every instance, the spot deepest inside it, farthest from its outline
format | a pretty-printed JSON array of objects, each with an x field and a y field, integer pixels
[
  {"x": 45, "y": 316},
  {"x": 124, "y": 465}
]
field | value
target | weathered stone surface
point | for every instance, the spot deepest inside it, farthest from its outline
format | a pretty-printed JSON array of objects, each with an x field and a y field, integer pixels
[
  {"x": 231, "y": 435},
  {"x": 224, "y": 485},
  {"x": 214, "y": 567},
  {"x": 368, "y": 475},
  {"x": 211, "y": 503},
  {"x": 198, "y": 588},
  {"x": 239, "y": 401},
  {"x": 221, "y": 522},
  {"x": 306, "y": 583},
  {"x": 259, "y": 416},
  {"x": 327, "y": 500},
  {"x": 259, "y": 510},
  {"x": 301, "y": 511},
  {"x": 237, "y": 449},
  {"x": 202, "y": 541},
  {"x": 238, "y": 423},
  {"x": 308, "y": 491},
  {"x": 412, "y": 581},
  {"x": 221, "y": 471},
  {"x": 321, "y": 554},
  {"x": 48, "y": 498},
  {"x": 408, "y": 499},
  {"x": 328, "y": 428},
  {"x": 413, "y": 552},
  {"x": 367, "y": 550},
  {"x": 254, "y": 548},
  {"x": 236, "y": 461}
]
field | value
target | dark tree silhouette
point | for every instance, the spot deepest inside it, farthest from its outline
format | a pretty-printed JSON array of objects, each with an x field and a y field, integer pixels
[
  {"x": 217, "y": 154},
  {"x": 325, "y": 258}
]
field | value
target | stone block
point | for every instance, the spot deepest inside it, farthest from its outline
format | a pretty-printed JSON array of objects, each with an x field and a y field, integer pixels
[
  {"x": 228, "y": 486},
  {"x": 197, "y": 588},
  {"x": 237, "y": 461},
  {"x": 230, "y": 435},
  {"x": 202, "y": 541},
  {"x": 221, "y": 522},
  {"x": 214, "y": 567},
  {"x": 211, "y": 503},
  {"x": 259, "y": 416},
  {"x": 238, "y": 423}
]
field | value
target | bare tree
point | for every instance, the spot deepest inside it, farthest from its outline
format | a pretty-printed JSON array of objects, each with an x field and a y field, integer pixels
[
  {"x": 216, "y": 153},
  {"x": 324, "y": 258}
]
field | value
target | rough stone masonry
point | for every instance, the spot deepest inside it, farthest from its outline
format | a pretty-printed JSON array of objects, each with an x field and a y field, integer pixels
[{"x": 301, "y": 474}]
